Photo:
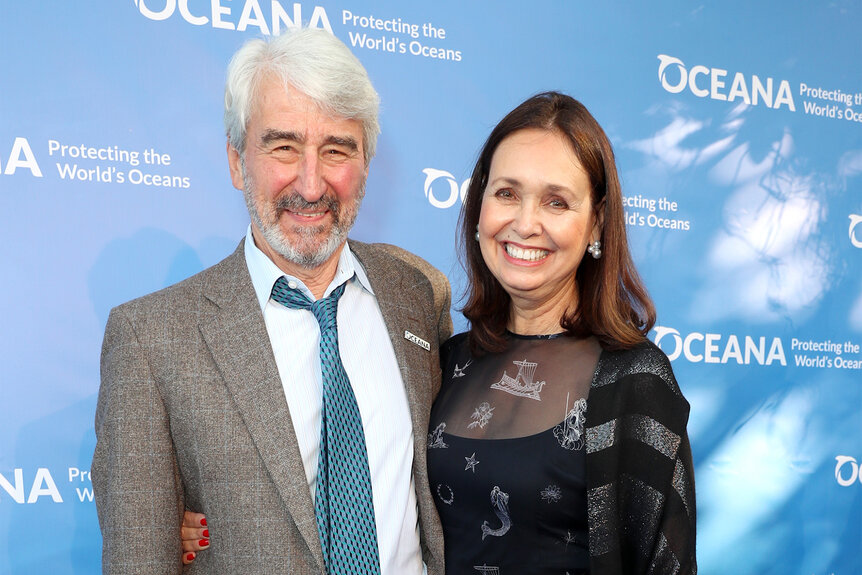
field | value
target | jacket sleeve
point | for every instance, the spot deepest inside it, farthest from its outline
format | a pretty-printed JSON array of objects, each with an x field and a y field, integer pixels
[
  {"x": 444, "y": 325},
  {"x": 135, "y": 475},
  {"x": 639, "y": 468},
  {"x": 674, "y": 547}
]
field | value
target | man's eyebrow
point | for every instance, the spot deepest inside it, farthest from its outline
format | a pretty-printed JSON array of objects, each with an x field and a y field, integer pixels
[
  {"x": 346, "y": 141},
  {"x": 271, "y": 136}
]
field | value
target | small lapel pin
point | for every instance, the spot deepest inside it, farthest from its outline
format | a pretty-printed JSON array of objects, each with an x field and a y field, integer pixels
[{"x": 417, "y": 340}]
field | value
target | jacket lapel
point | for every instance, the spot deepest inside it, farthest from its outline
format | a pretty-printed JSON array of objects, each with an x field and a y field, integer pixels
[
  {"x": 237, "y": 338},
  {"x": 396, "y": 297},
  {"x": 401, "y": 314}
]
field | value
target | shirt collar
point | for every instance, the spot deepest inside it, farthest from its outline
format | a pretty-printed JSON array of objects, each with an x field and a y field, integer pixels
[{"x": 264, "y": 272}]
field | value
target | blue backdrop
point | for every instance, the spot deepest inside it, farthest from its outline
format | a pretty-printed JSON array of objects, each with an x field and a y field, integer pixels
[{"x": 738, "y": 130}]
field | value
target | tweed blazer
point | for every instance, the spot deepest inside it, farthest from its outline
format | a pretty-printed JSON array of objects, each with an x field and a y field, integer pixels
[{"x": 191, "y": 414}]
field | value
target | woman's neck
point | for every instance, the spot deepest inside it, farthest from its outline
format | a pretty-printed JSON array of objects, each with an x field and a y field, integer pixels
[{"x": 531, "y": 317}]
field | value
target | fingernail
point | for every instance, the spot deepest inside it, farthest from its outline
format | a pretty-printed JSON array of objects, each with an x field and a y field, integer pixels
[
  {"x": 204, "y": 521},
  {"x": 206, "y": 532},
  {"x": 204, "y": 542},
  {"x": 190, "y": 556}
]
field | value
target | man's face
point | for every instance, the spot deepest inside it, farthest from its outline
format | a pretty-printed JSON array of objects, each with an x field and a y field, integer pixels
[{"x": 303, "y": 176}]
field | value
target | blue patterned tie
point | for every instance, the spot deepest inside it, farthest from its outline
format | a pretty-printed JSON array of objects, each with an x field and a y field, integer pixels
[{"x": 343, "y": 504}]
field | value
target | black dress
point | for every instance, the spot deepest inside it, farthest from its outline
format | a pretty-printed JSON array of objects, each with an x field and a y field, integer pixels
[{"x": 506, "y": 456}]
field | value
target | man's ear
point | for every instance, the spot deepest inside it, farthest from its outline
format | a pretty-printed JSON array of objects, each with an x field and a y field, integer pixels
[{"x": 234, "y": 162}]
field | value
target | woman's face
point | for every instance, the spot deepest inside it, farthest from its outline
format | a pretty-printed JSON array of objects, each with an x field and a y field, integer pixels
[{"x": 537, "y": 216}]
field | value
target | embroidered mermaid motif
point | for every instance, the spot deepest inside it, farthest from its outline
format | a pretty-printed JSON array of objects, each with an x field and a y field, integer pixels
[{"x": 500, "y": 501}]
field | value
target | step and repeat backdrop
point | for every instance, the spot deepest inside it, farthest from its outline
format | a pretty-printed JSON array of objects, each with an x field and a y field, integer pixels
[{"x": 738, "y": 131}]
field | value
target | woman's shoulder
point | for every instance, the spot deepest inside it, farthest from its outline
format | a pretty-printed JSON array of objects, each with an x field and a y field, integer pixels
[
  {"x": 454, "y": 345},
  {"x": 638, "y": 382},
  {"x": 645, "y": 360}
]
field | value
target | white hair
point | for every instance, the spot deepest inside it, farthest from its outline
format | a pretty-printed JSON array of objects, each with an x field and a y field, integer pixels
[{"x": 312, "y": 61}]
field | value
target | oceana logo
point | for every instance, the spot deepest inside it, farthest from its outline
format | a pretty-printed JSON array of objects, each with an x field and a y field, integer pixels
[
  {"x": 43, "y": 485},
  {"x": 846, "y": 470},
  {"x": 855, "y": 220},
  {"x": 446, "y": 192},
  {"x": 20, "y": 156},
  {"x": 716, "y": 348},
  {"x": 222, "y": 14},
  {"x": 712, "y": 83}
]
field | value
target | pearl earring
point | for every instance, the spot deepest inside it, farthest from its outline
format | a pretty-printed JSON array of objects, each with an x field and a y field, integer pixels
[{"x": 595, "y": 249}]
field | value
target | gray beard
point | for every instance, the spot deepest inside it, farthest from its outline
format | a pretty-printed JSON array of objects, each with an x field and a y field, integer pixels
[{"x": 308, "y": 253}]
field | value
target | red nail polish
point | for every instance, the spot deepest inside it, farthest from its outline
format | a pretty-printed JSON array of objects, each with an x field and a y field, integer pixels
[
  {"x": 204, "y": 521},
  {"x": 190, "y": 556},
  {"x": 206, "y": 532},
  {"x": 204, "y": 542}
]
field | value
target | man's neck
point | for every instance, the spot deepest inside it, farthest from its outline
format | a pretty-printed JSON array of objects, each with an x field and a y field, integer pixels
[{"x": 316, "y": 279}]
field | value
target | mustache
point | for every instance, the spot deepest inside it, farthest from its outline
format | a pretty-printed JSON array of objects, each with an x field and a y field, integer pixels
[{"x": 295, "y": 202}]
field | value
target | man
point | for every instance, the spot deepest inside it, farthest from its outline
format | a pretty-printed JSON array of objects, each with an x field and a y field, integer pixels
[{"x": 217, "y": 393}]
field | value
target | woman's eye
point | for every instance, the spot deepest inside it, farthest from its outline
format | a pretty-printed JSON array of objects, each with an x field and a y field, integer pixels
[{"x": 558, "y": 204}]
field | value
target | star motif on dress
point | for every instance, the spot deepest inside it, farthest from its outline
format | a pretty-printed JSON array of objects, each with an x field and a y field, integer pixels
[{"x": 472, "y": 462}]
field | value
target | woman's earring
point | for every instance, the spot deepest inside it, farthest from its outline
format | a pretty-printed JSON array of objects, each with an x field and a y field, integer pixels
[
  {"x": 477, "y": 233},
  {"x": 595, "y": 249}
]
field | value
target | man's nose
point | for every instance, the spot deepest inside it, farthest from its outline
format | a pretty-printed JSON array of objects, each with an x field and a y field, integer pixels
[{"x": 309, "y": 181}]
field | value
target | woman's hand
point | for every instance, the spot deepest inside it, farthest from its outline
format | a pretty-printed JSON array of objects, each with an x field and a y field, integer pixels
[{"x": 194, "y": 534}]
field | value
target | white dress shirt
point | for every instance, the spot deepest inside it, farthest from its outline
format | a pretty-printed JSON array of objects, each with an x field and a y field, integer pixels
[{"x": 369, "y": 361}]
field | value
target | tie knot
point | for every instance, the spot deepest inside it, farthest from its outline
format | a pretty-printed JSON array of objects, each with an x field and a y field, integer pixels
[{"x": 324, "y": 310}]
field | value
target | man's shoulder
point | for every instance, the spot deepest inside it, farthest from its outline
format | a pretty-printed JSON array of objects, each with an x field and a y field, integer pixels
[
  {"x": 397, "y": 265},
  {"x": 392, "y": 255},
  {"x": 389, "y": 258},
  {"x": 177, "y": 296}
]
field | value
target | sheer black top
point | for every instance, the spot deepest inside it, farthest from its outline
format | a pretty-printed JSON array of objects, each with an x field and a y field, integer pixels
[{"x": 506, "y": 453}]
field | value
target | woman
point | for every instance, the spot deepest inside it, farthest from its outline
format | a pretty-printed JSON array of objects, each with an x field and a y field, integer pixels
[{"x": 558, "y": 441}]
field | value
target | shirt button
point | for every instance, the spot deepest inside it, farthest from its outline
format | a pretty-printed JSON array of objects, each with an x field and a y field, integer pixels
[{"x": 291, "y": 284}]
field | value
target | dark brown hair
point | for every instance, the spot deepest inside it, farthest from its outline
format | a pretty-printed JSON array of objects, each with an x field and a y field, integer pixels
[{"x": 613, "y": 304}]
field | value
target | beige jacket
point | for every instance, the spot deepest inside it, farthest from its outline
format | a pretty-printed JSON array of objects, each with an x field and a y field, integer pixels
[{"x": 191, "y": 414}]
